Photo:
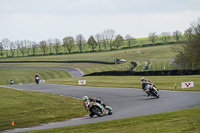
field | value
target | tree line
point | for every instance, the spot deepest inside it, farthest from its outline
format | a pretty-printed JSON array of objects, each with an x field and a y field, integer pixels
[
  {"x": 189, "y": 52},
  {"x": 101, "y": 41}
]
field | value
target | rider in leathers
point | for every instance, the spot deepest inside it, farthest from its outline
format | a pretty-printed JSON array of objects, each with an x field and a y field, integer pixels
[
  {"x": 143, "y": 83},
  {"x": 92, "y": 100},
  {"x": 150, "y": 86},
  {"x": 85, "y": 98}
]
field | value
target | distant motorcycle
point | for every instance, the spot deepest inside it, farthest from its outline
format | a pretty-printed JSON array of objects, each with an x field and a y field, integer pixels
[
  {"x": 96, "y": 108},
  {"x": 37, "y": 80}
]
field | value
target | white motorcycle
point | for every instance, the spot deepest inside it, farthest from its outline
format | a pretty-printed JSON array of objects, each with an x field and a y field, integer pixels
[{"x": 37, "y": 80}]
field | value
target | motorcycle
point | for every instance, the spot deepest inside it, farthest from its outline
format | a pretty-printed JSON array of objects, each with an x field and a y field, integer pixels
[
  {"x": 37, "y": 80},
  {"x": 154, "y": 92},
  {"x": 96, "y": 108}
]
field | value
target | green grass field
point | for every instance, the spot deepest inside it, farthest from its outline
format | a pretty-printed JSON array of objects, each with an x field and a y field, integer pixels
[
  {"x": 183, "y": 121},
  {"x": 32, "y": 108},
  {"x": 156, "y": 52},
  {"x": 162, "y": 82},
  {"x": 158, "y": 56},
  {"x": 27, "y": 108},
  {"x": 62, "y": 50},
  {"x": 27, "y": 76},
  {"x": 52, "y": 76}
]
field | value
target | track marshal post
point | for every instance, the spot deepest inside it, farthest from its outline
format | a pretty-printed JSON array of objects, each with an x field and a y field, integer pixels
[{"x": 175, "y": 87}]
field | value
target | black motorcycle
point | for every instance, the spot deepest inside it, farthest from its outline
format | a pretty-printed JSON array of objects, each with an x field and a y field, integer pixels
[{"x": 96, "y": 108}]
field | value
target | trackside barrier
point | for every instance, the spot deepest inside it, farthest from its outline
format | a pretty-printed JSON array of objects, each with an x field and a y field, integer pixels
[
  {"x": 82, "y": 82},
  {"x": 187, "y": 84},
  {"x": 146, "y": 73},
  {"x": 42, "y": 81}
]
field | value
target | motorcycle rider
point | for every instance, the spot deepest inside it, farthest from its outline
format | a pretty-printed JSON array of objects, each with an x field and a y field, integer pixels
[
  {"x": 143, "y": 83},
  {"x": 36, "y": 77},
  {"x": 148, "y": 87},
  {"x": 86, "y": 98}
]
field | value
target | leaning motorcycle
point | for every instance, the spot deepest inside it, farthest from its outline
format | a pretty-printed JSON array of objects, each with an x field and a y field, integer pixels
[
  {"x": 154, "y": 92},
  {"x": 96, "y": 108}
]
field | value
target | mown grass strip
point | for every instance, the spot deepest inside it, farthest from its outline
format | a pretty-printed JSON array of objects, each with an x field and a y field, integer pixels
[
  {"x": 27, "y": 76},
  {"x": 27, "y": 108},
  {"x": 183, "y": 121}
]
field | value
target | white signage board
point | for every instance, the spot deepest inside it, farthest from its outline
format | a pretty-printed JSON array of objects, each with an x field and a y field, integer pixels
[
  {"x": 42, "y": 81},
  {"x": 82, "y": 82},
  {"x": 187, "y": 84}
]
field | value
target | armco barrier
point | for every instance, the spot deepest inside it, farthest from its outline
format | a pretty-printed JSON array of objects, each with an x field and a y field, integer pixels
[{"x": 146, "y": 73}]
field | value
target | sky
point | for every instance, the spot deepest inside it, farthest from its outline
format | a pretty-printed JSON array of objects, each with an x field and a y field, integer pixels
[{"x": 37, "y": 20}]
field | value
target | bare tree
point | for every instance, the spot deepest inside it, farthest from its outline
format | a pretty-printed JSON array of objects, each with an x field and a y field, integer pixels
[
  {"x": 43, "y": 46},
  {"x": 50, "y": 42},
  {"x": 104, "y": 41},
  {"x": 17, "y": 43},
  {"x": 34, "y": 46},
  {"x": 99, "y": 40},
  {"x": 189, "y": 53},
  {"x": 188, "y": 34},
  {"x": 80, "y": 42},
  {"x": 165, "y": 37},
  {"x": 109, "y": 37},
  {"x": 57, "y": 44},
  {"x": 1, "y": 49},
  {"x": 68, "y": 42},
  {"x": 27, "y": 46},
  {"x": 153, "y": 37},
  {"x": 12, "y": 49},
  {"x": 6, "y": 43},
  {"x": 92, "y": 43},
  {"x": 118, "y": 41},
  {"x": 22, "y": 47},
  {"x": 177, "y": 35},
  {"x": 131, "y": 40}
]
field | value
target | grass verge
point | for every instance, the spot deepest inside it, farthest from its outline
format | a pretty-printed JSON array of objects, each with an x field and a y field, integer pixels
[
  {"x": 162, "y": 82},
  {"x": 183, "y": 121},
  {"x": 159, "y": 57},
  {"x": 27, "y": 108},
  {"x": 26, "y": 76}
]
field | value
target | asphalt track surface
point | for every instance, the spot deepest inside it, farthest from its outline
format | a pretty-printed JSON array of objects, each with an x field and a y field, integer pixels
[
  {"x": 126, "y": 102},
  {"x": 72, "y": 71}
]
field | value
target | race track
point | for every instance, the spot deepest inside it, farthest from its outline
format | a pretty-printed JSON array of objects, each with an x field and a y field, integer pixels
[{"x": 126, "y": 102}]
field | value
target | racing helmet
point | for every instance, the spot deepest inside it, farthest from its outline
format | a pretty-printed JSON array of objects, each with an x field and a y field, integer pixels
[
  {"x": 85, "y": 98},
  {"x": 142, "y": 78}
]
